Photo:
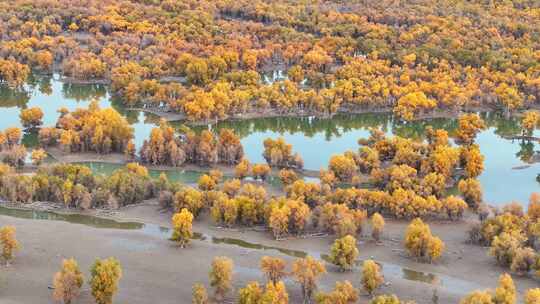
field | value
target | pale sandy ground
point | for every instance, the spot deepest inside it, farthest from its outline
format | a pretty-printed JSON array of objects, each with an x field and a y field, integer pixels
[{"x": 155, "y": 271}]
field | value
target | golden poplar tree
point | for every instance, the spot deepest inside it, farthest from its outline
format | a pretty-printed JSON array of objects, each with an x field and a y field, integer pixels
[
  {"x": 67, "y": 282},
  {"x": 377, "y": 226},
  {"x": 273, "y": 268},
  {"x": 221, "y": 276},
  {"x": 371, "y": 276},
  {"x": 9, "y": 242},
  {"x": 104, "y": 281},
  {"x": 199, "y": 295},
  {"x": 182, "y": 227},
  {"x": 344, "y": 252},
  {"x": 306, "y": 272}
]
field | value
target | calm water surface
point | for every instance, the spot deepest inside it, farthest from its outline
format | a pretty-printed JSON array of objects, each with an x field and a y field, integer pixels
[{"x": 315, "y": 139}]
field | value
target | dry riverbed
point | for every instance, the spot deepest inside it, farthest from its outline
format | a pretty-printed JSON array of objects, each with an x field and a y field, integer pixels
[{"x": 157, "y": 271}]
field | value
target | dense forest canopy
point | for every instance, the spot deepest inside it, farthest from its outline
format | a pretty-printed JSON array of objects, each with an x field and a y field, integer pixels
[{"x": 209, "y": 59}]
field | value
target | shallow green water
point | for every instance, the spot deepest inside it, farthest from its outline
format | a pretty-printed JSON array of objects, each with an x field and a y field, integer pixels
[
  {"x": 86, "y": 220},
  {"x": 183, "y": 176},
  {"x": 315, "y": 139},
  {"x": 174, "y": 175}
]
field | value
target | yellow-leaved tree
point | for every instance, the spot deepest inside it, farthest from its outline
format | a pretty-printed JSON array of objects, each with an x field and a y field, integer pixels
[
  {"x": 199, "y": 295},
  {"x": 306, "y": 272},
  {"x": 377, "y": 226},
  {"x": 275, "y": 294},
  {"x": 252, "y": 293},
  {"x": 104, "y": 281},
  {"x": 273, "y": 268},
  {"x": 37, "y": 156},
  {"x": 182, "y": 227},
  {"x": 420, "y": 243},
  {"x": 343, "y": 293},
  {"x": 344, "y": 252},
  {"x": 9, "y": 243},
  {"x": 371, "y": 276},
  {"x": 385, "y": 299},
  {"x": 221, "y": 276},
  {"x": 532, "y": 296},
  {"x": 505, "y": 293},
  {"x": 67, "y": 282}
]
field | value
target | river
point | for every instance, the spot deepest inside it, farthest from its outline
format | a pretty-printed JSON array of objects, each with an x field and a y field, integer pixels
[{"x": 315, "y": 139}]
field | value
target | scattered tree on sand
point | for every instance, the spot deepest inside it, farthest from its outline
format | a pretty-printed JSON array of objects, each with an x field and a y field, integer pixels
[
  {"x": 9, "y": 243},
  {"x": 524, "y": 260},
  {"x": 273, "y": 268},
  {"x": 67, "y": 282},
  {"x": 275, "y": 294},
  {"x": 385, "y": 299},
  {"x": 377, "y": 226},
  {"x": 477, "y": 297},
  {"x": 306, "y": 272},
  {"x": 104, "y": 282},
  {"x": 343, "y": 293},
  {"x": 371, "y": 276},
  {"x": 199, "y": 295},
  {"x": 251, "y": 294},
  {"x": 182, "y": 227},
  {"x": 344, "y": 252},
  {"x": 421, "y": 243},
  {"x": 221, "y": 276},
  {"x": 38, "y": 155},
  {"x": 532, "y": 296},
  {"x": 505, "y": 293}
]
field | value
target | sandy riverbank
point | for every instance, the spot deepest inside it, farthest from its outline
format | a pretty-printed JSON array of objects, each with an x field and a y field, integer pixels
[{"x": 155, "y": 269}]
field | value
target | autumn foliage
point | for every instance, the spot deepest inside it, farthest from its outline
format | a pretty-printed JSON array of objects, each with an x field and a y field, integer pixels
[
  {"x": 67, "y": 282},
  {"x": 9, "y": 243},
  {"x": 182, "y": 227},
  {"x": 105, "y": 275},
  {"x": 421, "y": 244}
]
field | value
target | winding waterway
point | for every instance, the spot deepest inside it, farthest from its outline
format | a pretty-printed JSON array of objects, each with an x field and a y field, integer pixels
[{"x": 508, "y": 175}]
